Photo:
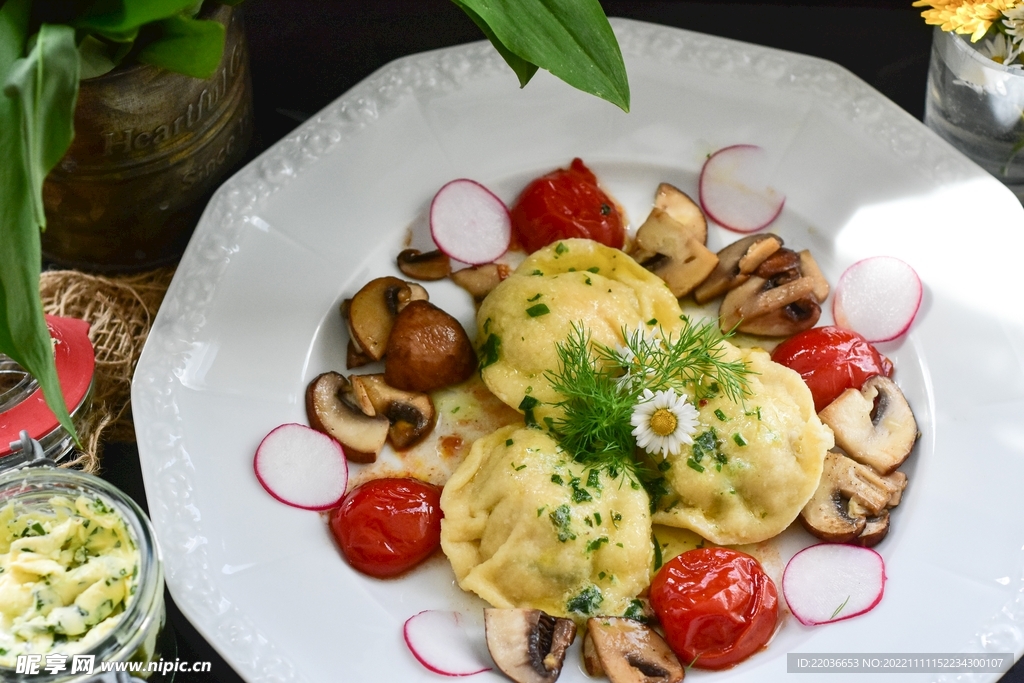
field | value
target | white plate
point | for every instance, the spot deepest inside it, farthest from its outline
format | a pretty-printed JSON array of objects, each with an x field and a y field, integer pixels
[{"x": 251, "y": 317}]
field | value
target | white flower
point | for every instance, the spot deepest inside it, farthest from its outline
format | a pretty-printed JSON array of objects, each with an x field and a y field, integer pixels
[
  {"x": 663, "y": 422},
  {"x": 1014, "y": 23},
  {"x": 999, "y": 49}
]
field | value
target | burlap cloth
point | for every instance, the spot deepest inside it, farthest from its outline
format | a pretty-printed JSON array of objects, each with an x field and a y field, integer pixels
[{"x": 120, "y": 310}]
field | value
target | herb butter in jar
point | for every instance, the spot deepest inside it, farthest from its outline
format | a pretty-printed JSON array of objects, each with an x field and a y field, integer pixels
[{"x": 80, "y": 573}]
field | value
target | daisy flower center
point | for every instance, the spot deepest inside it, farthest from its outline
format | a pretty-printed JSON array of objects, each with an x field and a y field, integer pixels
[{"x": 663, "y": 422}]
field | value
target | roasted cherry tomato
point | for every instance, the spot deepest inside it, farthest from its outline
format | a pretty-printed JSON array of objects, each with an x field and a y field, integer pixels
[
  {"x": 831, "y": 360},
  {"x": 388, "y": 526},
  {"x": 717, "y": 606},
  {"x": 563, "y": 204}
]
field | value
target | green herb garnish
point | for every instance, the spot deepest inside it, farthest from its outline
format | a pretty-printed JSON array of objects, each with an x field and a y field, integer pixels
[{"x": 537, "y": 310}]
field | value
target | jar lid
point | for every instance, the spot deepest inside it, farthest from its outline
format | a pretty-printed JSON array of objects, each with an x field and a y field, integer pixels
[{"x": 22, "y": 406}]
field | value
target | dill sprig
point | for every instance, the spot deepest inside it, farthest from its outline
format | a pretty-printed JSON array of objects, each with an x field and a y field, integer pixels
[
  {"x": 694, "y": 358},
  {"x": 595, "y": 426},
  {"x": 601, "y": 387}
]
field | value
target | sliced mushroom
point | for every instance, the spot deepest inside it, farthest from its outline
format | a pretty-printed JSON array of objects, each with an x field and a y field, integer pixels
[
  {"x": 679, "y": 206},
  {"x": 628, "y": 651},
  {"x": 875, "y": 425},
  {"x": 665, "y": 247},
  {"x": 480, "y": 280},
  {"x": 779, "y": 299},
  {"x": 528, "y": 645},
  {"x": 757, "y": 308},
  {"x": 332, "y": 409},
  {"x": 410, "y": 413},
  {"x": 432, "y": 265},
  {"x": 428, "y": 349},
  {"x": 736, "y": 262},
  {"x": 851, "y": 502},
  {"x": 354, "y": 356},
  {"x": 371, "y": 312}
]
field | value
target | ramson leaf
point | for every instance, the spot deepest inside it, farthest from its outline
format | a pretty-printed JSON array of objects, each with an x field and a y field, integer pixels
[
  {"x": 188, "y": 46},
  {"x": 523, "y": 69},
  {"x": 125, "y": 16},
  {"x": 44, "y": 87},
  {"x": 570, "y": 38},
  {"x": 23, "y": 333}
]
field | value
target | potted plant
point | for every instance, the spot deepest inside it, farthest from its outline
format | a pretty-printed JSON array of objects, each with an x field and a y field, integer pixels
[{"x": 48, "y": 47}]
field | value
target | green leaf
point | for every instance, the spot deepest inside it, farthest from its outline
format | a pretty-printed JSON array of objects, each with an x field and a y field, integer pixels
[
  {"x": 124, "y": 16},
  {"x": 570, "y": 38},
  {"x": 523, "y": 69},
  {"x": 188, "y": 46},
  {"x": 95, "y": 57},
  {"x": 44, "y": 87},
  {"x": 23, "y": 333}
]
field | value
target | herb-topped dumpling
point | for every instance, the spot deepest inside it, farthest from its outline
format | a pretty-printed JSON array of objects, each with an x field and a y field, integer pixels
[
  {"x": 574, "y": 281},
  {"x": 525, "y": 526},
  {"x": 753, "y": 464}
]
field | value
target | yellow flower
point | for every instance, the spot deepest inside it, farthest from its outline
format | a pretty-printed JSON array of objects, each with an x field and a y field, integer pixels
[{"x": 965, "y": 16}]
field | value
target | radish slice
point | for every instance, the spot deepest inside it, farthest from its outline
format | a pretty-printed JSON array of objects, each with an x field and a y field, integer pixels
[
  {"x": 438, "y": 640},
  {"x": 469, "y": 223},
  {"x": 832, "y": 581},
  {"x": 302, "y": 467},
  {"x": 734, "y": 189},
  {"x": 878, "y": 298}
]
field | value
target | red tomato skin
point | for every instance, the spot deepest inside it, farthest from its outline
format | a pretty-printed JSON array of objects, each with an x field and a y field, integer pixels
[
  {"x": 563, "y": 204},
  {"x": 386, "y": 527},
  {"x": 831, "y": 360},
  {"x": 716, "y": 605}
]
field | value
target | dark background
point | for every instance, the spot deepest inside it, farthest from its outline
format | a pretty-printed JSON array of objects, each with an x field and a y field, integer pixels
[{"x": 306, "y": 53}]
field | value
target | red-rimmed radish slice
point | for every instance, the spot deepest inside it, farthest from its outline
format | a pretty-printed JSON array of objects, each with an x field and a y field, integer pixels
[
  {"x": 469, "y": 223},
  {"x": 833, "y": 581},
  {"x": 302, "y": 467},
  {"x": 878, "y": 298},
  {"x": 735, "y": 189},
  {"x": 439, "y": 642}
]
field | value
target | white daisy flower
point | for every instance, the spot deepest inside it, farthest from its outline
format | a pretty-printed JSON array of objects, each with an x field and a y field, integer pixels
[
  {"x": 998, "y": 48},
  {"x": 663, "y": 422}
]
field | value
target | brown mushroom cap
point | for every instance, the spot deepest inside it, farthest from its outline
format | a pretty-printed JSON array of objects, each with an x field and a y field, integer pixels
[
  {"x": 410, "y": 413},
  {"x": 432, "y": 265},
  {"x": 332, "y": 409},
  {"x": 736, "y": 262},
  {"x": 427, "y": 349},
  {"x": 875, "y": 425},
  {"x": 628, "y": 651},
  {"x": 666, "y": 247},
  {"x": 528, "y": 645},
  {"x": 851, "y": 502}
]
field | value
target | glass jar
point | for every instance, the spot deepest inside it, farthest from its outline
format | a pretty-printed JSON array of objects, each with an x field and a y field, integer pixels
[
  {"x": 976, "y": 104},
  {"x": 135, "y": 637},
  {"x": 22, "y": 405}
]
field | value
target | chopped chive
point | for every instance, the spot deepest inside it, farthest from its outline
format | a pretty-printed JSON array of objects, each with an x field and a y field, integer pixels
[
  {"x": 537, "y": 310},
  {"x": 738, "y": 438},
  {"x": 720, "y": 415}
]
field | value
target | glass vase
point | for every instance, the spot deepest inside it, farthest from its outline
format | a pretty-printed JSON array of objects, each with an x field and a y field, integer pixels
[{"x": 977, "y": 105}]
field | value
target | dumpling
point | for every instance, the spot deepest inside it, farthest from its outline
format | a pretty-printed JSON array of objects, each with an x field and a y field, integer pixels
[
  {"x": 754, "y": 464},
  {"x": 525, "y": 526},
  {"x": 572, "y": 281}
]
